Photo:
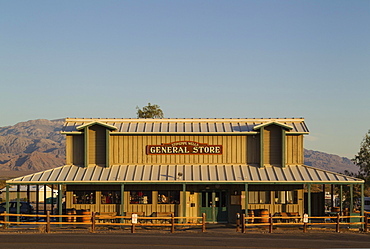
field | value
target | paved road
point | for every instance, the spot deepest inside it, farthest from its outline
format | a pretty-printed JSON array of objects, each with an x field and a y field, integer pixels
[{"x": 184, "y": 240}]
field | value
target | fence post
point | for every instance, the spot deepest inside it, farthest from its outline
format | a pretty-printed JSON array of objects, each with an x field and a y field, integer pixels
[
  {"x": 366, "y": 223},
  {"x": 172, "y": 222},
  {"x": 243, "y": 223},
  {"x": 270, "y": 226},
  {"x": 48, "y": 221},
  {"x": 6, "y": 219},
  {"x": 203, "y": 222},
  {"x": 237, "y": 222},
  {"x": 337, "y": 226},
  {"x": 93, "y": 218}
]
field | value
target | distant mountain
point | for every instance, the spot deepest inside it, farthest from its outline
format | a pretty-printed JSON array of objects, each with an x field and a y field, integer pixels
[
  {"x": 328, "y": 162},
  {"x": 37, "y": 145},
  {"x": 34, "y": 145}
]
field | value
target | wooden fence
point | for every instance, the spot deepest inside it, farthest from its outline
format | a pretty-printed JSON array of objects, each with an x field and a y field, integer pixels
[
  {"x": 94, "y": 219},
  {"x": 305, "y": 221}
]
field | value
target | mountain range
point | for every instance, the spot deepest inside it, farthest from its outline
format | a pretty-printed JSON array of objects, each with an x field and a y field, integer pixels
[{"x": 37, "y": 145}]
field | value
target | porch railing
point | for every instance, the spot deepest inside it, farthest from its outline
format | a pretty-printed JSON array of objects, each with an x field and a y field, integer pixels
[
  {"x": 270, "y": 221},
  {"x": 93, "y": 220}
]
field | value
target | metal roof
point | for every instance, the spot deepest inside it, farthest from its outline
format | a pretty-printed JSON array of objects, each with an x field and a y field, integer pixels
[
  {"x": 190, "y": 174},
  {"x": 205, "y": 125}
]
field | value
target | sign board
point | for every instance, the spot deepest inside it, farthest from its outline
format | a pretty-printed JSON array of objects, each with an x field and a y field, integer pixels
[
  {"x": 305, "y": 218},
  {"x": 184, "y": 147},
  {"x": 134, "y": 219}
]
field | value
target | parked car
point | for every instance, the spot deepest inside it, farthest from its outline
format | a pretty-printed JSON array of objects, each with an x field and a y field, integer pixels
[{"x": 26, "y": 208}]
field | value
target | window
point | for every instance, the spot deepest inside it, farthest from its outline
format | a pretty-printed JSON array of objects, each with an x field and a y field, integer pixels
[
  {"x": 110, "y": 197},
  {"x": 259, "y": 197},
  {"x": 83, "y": 197},
  {"x": 168, "y": 197},
  {"x": 286, "y": 197},
  {"x": 140, "y": 197}
]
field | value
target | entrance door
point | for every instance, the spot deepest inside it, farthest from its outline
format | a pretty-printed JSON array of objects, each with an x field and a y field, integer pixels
[{"x": 214, "y": 205}]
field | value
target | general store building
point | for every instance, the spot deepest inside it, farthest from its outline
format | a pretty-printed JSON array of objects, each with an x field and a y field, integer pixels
[{"x": 186, "y": 166}]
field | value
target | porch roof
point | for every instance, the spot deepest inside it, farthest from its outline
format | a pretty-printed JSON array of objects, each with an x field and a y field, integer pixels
[{"x": 188, "y": 174}]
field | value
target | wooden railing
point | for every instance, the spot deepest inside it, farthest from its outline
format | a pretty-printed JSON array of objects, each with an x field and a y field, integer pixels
[
  {"x": 273, "y": 221},
  {"x": 104, "y": 219}
]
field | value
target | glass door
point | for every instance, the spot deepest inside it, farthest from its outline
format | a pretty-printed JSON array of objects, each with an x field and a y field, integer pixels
[{"x": 214, "y": 205}]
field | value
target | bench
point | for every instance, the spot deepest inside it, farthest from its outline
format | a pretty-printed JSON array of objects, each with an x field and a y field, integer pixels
[
  {"x": 165, "y": 215},
  {"x": 107, "y": 216},
  {"x": 288, "y": 216}
]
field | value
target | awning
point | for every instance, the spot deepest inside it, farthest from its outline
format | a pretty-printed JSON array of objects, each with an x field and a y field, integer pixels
[{"x": 189, "y": 174}]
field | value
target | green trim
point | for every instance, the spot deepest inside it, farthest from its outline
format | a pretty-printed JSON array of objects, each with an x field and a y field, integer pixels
[
  {"x": 340, "y": 197},
  {"x": 96, "y": 123},
  {"x": 187, "y": 183},
  {"x": 362, "y": 205},
  {"x": 18, "y": 202},
  {"x": 262, "y": 145},
  {"x": 246, "y": 200},
  {"x": 107, "y": 148},
  {"x": 71, "y": 132},
  {"x": 283, "y": 148},
  {"x": 7, "y": 198},
  {"x": 60, "y": 198},
  {"x": 272, "y": 123},
  {"x": 351, "y": 193},
  {"x": 86, "y": 147},
  {"x": 183, "y": 200},
  {"x": 122, "y": 199},
  {"x": 236, "y": 133},
  {"x": 309, "y": 199},
  {"x": 297, "y": 133}
]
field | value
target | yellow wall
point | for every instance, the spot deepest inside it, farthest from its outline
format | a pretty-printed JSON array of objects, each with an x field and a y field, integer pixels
[{"x": 132, "y": 150}]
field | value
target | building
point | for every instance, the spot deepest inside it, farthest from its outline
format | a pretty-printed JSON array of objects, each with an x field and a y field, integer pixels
[
  {"x": 30, "y": 193},
  {"x": 186, "y": 166}
]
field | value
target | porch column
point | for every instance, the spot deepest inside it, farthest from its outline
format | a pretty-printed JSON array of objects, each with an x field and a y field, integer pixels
[
  {"x": 45, "y": 196},
  {"x": 7, "y": 204},
  {"x": 183, "y": 200},
  {"x": 332, "y": 196},
  {"x": 362, "y": 205},
  {"x": 37, "y": 201},
  {"x": 323, "y": 199},
  {"x": 52, "y": 199},
  {"x": 351, "y": 193},
  {"x": 309, "y": 199},
  {"x": 122, "y": 199},
  {"x": 246, "y": 201},
  {"x": 60, "y": 207},
  {"x": 18, "y": 201},
  {"x": 28, "y": 194},
  {"x": 340, "y": 198}
]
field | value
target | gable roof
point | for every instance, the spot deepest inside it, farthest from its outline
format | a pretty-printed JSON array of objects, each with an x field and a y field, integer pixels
[
  {"x": 110, "y": 127},
  {"x": 285, "y": 126}
]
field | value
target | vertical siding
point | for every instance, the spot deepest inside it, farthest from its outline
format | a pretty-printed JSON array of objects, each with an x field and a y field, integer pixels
[
  {"x": 97, "y": 145},
  {"x": 253, "y": 149},
  {"x": 295, "y": 151},
  {"x": 273, "y": 145},
  {"x": 129, "y": 149},
  {"x": 75, "y": 149}
]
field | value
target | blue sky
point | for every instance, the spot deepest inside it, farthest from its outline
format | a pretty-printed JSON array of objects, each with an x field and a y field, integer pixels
[{"x": 224, "y": 59}]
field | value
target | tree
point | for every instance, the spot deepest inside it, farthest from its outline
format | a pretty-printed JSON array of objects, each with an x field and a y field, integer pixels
[
  {"x": 149, "y": 111},
  {"x": 362, "y": 159}
]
